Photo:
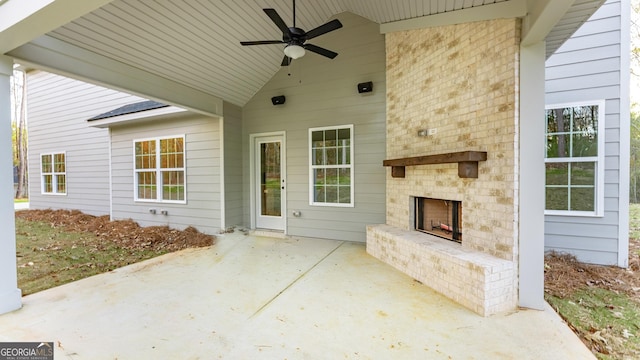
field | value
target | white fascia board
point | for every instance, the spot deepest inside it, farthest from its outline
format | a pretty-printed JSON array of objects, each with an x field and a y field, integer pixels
[
  {"x": 58, "y": 57},
  {"x": 502, "y": 10},
  {"x": 137, "y": 117},
  {"x": 22, "y": 21}
]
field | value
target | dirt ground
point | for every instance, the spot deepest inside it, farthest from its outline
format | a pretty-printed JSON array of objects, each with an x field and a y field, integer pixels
[
  {"x": 126, "y": 233},
  {"x": 564, "y": 275}
]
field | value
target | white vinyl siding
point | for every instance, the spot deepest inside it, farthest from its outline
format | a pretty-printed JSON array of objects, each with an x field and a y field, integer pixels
[
  {"x": 574, "y": 157},
  {"x": 588, "y": 67},
  {"x": 58, "y": 109},
  {"x": 202, "y": 206},
  {"x": 159, "y": 168},
  {"x": 331, "y": 168},
  {"x": 323, "y": 93}
]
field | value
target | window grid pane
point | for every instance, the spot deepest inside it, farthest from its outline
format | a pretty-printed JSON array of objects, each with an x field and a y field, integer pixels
[
  {"x": 147, "y": 185},
  {"x": 173, "y": 185},
  {"x": 47, "y": 183},
  {"x": 46, "y": 164},
  {"x": 582, "y": 199},
  {"x": 145, "y": 154},
  {"x": 53, "y": 172},
  {"x": 572, "y": 143},
  {"x": 572, "y": 132},
  {"x": 571, "y": 186},
  {"x": 582, "y": 189},
  {"x": 557, "y": 198},
  {"x": 59, "y": 163},
  {"x": 583, "y": 174},
  {"x": 171, "y": 153},
  {"x": 61, "y": 184},
  {"x": 557, "y": 173},
  {"x": 331, "y": 165},
  {"x": 160, "y": 173}
]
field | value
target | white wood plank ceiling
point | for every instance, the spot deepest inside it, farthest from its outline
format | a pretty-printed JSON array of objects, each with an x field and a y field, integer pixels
[{"x": 196, "y": 42}]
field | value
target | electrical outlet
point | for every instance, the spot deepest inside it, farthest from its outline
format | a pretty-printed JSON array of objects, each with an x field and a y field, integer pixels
[{"x": 432, "y": 131}]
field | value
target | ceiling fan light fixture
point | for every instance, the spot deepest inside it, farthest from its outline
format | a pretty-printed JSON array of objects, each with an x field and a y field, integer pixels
[
  {"x": 295, "y": 38},
  {"x": 294, "y": 51}
]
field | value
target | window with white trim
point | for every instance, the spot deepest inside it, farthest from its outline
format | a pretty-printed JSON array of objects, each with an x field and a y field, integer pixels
[
  {"x": 159, "y": 168},
  {"x": 574, "y": 161},
  {"x": 331, "y": 166},
  {"x": 53, "y": 168}
]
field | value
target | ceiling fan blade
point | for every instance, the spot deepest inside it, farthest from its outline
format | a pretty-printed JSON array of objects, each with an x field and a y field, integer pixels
[
  {"x": 286, "y": 61},
  {"x": 323, "y": 29},
  {"x": 273, "y": 14},
  {"x": 322, "y": 51},
  {"x": 261, "y": 42}
]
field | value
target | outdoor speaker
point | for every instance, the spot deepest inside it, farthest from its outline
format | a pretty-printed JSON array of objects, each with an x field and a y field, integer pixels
[
  {"x": 278, "y": 100},
  {"x": 365, "y": 87}
]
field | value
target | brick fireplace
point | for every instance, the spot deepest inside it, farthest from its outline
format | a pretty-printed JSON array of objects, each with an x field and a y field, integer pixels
[{"x": 462, "y": 81}]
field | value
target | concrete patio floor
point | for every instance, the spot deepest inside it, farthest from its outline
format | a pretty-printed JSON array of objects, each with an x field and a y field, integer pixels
[{"x": 251, "y": 297}]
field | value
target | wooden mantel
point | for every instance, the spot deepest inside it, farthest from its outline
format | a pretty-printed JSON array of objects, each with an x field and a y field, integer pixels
[{"x": 467, "y": 162}]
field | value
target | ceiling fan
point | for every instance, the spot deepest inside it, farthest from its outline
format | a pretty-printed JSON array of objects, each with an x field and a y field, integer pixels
[{"x": 296, "y": 38}]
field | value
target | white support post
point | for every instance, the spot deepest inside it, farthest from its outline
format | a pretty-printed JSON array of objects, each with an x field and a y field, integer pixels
[
  {"x": 10, "y": 295},
  {"x": 625, "y": 134},
  {"x": 532, "y": 175}
]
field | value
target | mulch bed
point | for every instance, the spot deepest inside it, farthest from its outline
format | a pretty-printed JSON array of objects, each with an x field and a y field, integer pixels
[
  {"x": 565, "y": 275},
  {"x": 125, "y": 233}
]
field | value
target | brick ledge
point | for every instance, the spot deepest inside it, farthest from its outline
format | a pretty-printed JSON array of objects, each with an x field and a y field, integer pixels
[{"x": 476, "y": 280}]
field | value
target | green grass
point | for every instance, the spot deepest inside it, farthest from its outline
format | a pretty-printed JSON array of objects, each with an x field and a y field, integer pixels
[
  {"x": 17, "y": 201},
  {"x": 49, "y": 257},
  {"x": 608, "y": 319}
]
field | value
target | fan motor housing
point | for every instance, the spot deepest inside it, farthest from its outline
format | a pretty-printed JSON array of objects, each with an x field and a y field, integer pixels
[{"x": 295, "y": 34}]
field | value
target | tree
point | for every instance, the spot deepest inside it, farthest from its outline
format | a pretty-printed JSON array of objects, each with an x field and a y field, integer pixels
[
  {"x": 635, "y": 38},
  {"x": 19, "y": 92}
]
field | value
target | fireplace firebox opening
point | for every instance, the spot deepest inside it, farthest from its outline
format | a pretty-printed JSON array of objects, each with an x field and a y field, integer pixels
[{"x": 439, "y": 217}]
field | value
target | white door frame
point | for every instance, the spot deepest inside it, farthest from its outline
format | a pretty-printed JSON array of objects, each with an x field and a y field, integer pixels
[{"x": 253, "y": 138}]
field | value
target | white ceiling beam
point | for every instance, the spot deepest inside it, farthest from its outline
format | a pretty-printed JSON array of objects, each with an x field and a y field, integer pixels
[
  {"x": 22, "y": 21},
  {"x": 62, "y": 58},
  {"x": 501, "y": 10},
  {"x": 542, "y": 16}
]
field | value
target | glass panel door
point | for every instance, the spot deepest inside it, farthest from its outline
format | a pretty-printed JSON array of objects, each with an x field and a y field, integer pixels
[
  {"x": 269, "y": 182},
  {"x": 270, "y": 179}
]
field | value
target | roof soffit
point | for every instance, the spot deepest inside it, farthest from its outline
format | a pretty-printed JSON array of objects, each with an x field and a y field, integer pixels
[
  {"x": 196, "y": 43},
  {"x": 22, "y": 21}
]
